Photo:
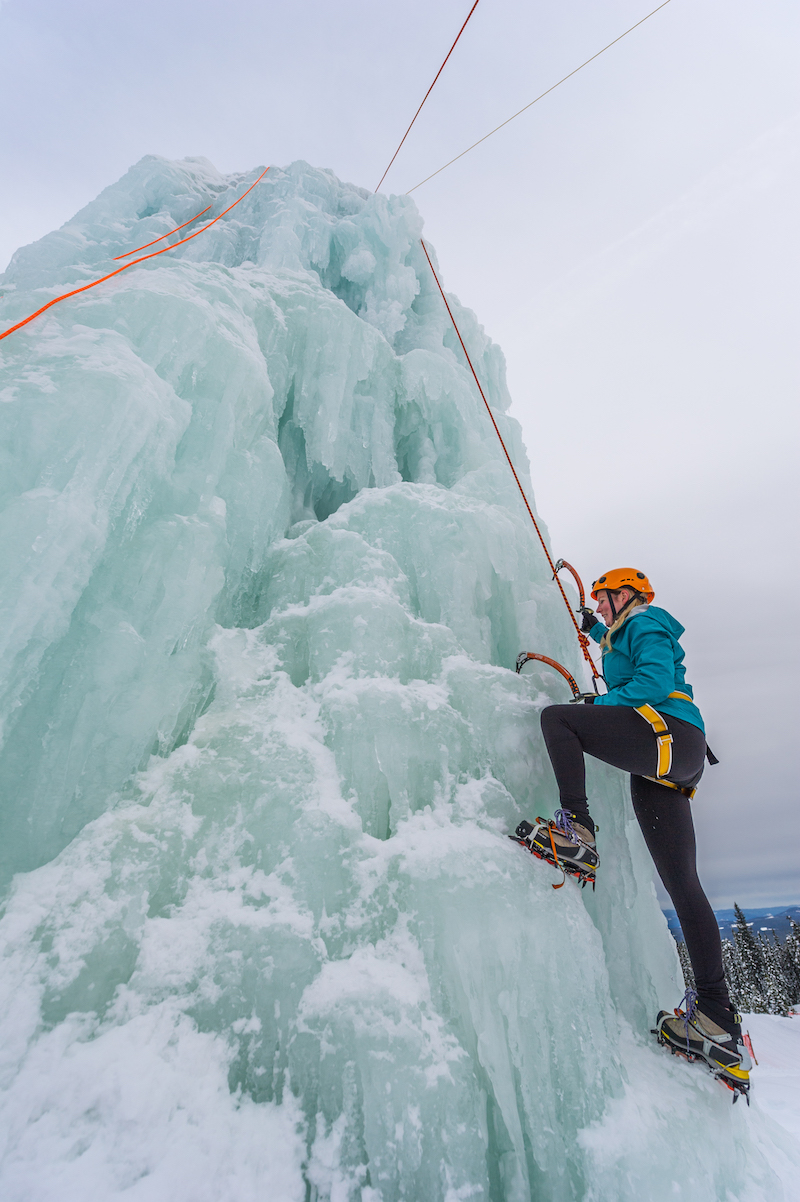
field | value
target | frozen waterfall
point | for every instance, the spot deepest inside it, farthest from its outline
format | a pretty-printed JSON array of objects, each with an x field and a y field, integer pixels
[{"x": 265, "y": 578}]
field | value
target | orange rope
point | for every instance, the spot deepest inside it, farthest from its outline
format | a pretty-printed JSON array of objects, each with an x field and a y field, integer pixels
[
  {"x": 427, "y": 94},
  {"x": 128, "y": 253},
  {"x": 133, "y": 262},
  {"x": 581, "y": 637}
]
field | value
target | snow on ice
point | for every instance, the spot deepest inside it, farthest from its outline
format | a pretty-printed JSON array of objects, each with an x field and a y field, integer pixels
[{"x": 266, "y": 576}]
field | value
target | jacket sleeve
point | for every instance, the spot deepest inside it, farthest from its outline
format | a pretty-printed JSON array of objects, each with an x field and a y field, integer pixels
[
  {"x": 597, "y": 631},
  {"x": 651, "y": 653}
]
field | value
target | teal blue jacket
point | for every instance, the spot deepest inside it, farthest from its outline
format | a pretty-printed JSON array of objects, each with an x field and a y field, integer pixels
[{"x": 645, "y": 665}]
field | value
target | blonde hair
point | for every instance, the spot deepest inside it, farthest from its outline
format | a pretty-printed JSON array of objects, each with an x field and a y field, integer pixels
[{"x": 635, "y": 600}]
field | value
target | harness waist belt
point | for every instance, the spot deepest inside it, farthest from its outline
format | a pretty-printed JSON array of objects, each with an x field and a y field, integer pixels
[{"x": 687, "y": 792}]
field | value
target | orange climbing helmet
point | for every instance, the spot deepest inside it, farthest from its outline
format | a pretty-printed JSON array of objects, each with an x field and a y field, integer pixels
[{"x": 624, "y": 578}]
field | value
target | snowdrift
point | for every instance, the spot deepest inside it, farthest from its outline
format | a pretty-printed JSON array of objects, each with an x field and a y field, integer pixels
[{"x": 266, "y": 578}]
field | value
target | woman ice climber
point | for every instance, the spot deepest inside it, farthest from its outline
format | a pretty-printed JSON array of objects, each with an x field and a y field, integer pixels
[{"x": 647, "y": 724}]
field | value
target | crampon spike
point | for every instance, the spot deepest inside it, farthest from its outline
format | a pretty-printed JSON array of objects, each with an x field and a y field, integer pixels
[
  {"x": 737, "y": 1088},
  {"x": 583, "y": 875}
]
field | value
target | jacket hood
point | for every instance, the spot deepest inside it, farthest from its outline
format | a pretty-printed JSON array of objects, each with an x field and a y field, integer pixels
[{"x": 661, "y": 618}]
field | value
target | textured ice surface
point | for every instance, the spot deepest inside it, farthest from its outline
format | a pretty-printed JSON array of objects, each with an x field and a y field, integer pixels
[{"x": 265, "y": 578}]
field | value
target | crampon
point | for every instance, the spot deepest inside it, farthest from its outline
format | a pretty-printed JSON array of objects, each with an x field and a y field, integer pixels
[
  {"x": 546, "y": 850},
  {"x": 735, "y": 1077}
]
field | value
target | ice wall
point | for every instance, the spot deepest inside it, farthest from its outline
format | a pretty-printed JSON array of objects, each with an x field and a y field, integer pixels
[{"x": 266, "y": 578}]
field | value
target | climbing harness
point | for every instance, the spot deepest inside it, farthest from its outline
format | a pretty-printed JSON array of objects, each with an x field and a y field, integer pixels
[
  {"x": 664, "y": 744},
  {"x": 133, "y": 262},
  {"x": 427, "y": 94},
  {"x": 582, "y": 639}
]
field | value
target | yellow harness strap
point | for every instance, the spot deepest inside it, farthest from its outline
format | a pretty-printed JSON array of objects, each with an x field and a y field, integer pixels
[
  {"x": 663, "y": 738},
  {"x": 664, "y": 744}
]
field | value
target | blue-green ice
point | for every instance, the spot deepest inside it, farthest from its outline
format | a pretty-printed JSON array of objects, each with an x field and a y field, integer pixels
[{"x": 265, "y": 576}]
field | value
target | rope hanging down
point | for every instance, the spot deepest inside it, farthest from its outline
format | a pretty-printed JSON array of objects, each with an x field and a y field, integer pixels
[
  {"x": 581, "y": 637},
  {"x": 538, "y": 98},
  {"x": 152, "y": 255},
  {"x": 427, "y": 94}
]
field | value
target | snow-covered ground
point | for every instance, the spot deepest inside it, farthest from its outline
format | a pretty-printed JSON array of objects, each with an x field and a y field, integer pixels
[{"x": 776, "y": 1079}]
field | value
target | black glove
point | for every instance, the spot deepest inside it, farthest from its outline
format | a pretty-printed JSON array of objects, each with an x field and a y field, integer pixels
[
  {"x": 587, "y": 698},
  {"x": 589, "y": 620}
]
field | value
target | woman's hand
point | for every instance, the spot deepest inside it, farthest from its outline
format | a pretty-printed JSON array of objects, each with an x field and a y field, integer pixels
[{"x": 589, "y": 620}]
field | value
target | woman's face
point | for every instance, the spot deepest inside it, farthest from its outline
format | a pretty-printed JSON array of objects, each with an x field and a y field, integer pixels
[{"x": 604, "y": 605}]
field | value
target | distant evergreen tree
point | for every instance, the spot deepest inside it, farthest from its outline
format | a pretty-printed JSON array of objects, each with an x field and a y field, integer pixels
[
  {"x": 793, "y": 938},
  {"x": 792, "y": 952},
  {"x": 733, "y": 975},
  {"x": 776, "y": 986},
  {"x": 752, "y": 968},
  {"x": 763, "y": 974},
  {"x": 791, "y": 972}
]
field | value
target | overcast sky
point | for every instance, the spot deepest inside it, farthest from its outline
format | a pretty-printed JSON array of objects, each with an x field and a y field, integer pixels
[{"x": 631, "y": 243}]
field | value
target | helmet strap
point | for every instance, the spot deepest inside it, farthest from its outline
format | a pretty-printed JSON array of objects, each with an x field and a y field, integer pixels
[
  {"x": 619, "y": 617},
  {"x": 617, "y": 613}
]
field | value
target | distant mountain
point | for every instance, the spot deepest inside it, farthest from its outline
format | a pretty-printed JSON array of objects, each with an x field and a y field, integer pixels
[{"x": 772, "y": 918}]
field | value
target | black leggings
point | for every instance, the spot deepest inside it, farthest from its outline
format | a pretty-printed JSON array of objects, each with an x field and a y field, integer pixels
[{"x": 621, "y": 737}]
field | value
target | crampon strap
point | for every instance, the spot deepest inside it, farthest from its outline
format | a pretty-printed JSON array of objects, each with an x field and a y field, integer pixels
[{"x": 526, "y": 837}]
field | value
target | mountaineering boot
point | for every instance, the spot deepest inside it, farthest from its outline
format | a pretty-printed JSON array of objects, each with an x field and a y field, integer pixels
[
  {"x": 564, "y": 843},
  {"x": 692, "y": 1034},
  {"x": 567, "y": 841}
]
